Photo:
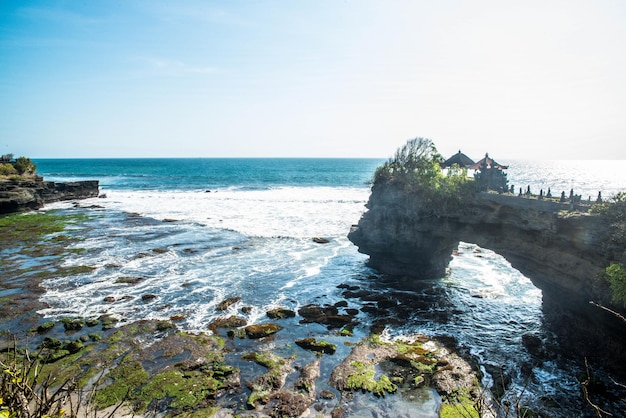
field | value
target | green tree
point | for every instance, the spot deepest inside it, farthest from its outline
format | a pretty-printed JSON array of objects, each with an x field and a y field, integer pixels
[
  {"x": 614, "y": 212},
  {"x": 7, "y": 169},
  {"x": 418, "y": 159},
  {"x": 416, "y": 168},
  {"x": 616, "y": 276},
  {"x": 24, "y": 165}
]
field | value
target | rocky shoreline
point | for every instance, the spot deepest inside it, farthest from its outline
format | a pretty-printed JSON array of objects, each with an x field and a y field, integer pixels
[
  {"x": 127, "y": 361},
  {"x": 317, "y": 360},
  {"x": 33, "y": 194},
  {"x": 152, "y": 366}
]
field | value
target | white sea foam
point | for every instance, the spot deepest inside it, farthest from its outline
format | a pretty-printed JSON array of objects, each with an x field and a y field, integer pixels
[
  {"x": 280, "y": 212},
  {"x": 256, "y": 244}
]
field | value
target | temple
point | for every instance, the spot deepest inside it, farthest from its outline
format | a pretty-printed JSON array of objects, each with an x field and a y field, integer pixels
[
  {"x": 488, "y": 174},
  {"x": 460, "y": 159}
]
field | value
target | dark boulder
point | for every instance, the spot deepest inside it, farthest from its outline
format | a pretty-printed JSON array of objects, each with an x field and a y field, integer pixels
[
  {"x": 280, "y": 313},
  {"x": 227, "y": 303},
  {"x": 261, "y": 330},
  {"x": 319, "y": 346}
]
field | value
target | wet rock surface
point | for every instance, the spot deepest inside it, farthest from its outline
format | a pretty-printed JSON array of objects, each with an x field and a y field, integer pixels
[
  {"x": 280, "y": 313},
  {"x": 18, "y": 196}
]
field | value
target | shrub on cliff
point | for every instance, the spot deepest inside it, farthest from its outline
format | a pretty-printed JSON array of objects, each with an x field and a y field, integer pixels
[
  {"x": 614, "y": 211},
  {"x": 415, "y": 162},
  {"x": 616, "y": 276},
  {"x": 25, "y": 165},
  {"x": 21, "y": 167},
  {"x": 7, "y": 170},
  {"x": 416, "y": 169}
]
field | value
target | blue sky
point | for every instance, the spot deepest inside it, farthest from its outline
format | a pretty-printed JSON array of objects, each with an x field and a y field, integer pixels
[{"x": 144, "y": 78}]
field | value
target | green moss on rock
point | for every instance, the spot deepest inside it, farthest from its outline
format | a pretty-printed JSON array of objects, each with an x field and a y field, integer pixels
[
  {"x": 73, "y": 324},
  {"x": 45, "y": 327},
  {"x": 280, "y": 313},
  {"x": 319, "y": 346},
  {"x": 384, "y": 386},
  {"x": 262, "y": 330},
  {"x": 184, "y": 389},
  {"x": 126, "y": 378},
  {"x": 459, "y": 405}
]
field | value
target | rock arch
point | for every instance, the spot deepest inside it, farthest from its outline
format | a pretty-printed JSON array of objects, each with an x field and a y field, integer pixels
[{"x": 554, "y": 247}]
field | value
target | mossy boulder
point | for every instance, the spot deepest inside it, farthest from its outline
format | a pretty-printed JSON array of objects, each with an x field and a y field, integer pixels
[
  {"x": 45, "y": 327},
  {"x": 347, "y": 331},
  {"x": 315, "y": 313},
  {"x": 108, "y": 321},
  {"x": 73, "y": 324},
  {"x": 280, "y": 313},
  {"x": 74, "y": 346},
  {"x": 262, "y": 330},
  {"x": 319, "y": 346},
  {"x": 386, "y": 303},
  {"x": 52, "y": 343},
  {"x": 338, "y": 321},
  {"x": 362, "y": 378},
  {"x": 265, "y": 386},
  {"x": 227, "y": 322}
]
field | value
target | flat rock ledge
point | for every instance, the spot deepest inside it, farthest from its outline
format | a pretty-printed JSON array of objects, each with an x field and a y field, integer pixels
[{"x": 18, "y": 196}]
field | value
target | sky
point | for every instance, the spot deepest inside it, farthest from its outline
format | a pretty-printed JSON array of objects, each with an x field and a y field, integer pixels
[{"x": 325, "y": 78}]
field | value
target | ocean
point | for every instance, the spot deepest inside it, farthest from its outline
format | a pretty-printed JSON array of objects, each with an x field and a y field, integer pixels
[{"x": 197, "y": 231}]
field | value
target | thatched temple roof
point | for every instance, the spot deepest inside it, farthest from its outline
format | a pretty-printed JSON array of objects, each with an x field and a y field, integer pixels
[
  {"x": 460, "y": 159},
  {"x": 489, "y": 163}
]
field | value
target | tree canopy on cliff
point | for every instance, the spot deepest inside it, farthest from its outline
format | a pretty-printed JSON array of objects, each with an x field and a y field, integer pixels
[
  {"x": 616, "y": 276},
  {"x": 22, "y": 166},
  {"x": 614, "y": 210},
  {"x": 416, "y": 168}
]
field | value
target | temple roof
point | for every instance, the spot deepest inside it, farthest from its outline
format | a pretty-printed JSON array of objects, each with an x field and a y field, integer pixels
[
  {"x": 489, "y": 163},
  {"x": 460, "y": 159}
]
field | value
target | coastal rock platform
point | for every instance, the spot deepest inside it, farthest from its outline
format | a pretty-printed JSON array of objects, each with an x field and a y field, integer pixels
[{"x": 17, "y": 196}]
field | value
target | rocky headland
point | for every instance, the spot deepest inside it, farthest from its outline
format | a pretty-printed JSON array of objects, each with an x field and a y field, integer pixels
[
  {"x": 417, "y": 216},
  {"x": 33, "y": 194},
  {"x": 554, "y": 246}
]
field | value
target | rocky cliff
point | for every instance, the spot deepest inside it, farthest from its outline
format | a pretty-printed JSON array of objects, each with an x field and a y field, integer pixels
[
  {"x": 18, "y": 196},
  {"x": 555, "y": 247}
]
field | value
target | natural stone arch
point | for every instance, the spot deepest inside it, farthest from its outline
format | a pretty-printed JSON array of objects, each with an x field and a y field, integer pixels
[{"x": 553, "y": 247}]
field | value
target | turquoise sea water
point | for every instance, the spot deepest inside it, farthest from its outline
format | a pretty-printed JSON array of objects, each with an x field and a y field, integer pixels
[
  {"x": 213, "y": 173},
  {"x": 244, "y": 227}
]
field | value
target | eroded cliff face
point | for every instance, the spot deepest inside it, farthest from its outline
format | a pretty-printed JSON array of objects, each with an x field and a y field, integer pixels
[
  {"x": 554, "y": 247},
  {"x": 18, "y": 196}
]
